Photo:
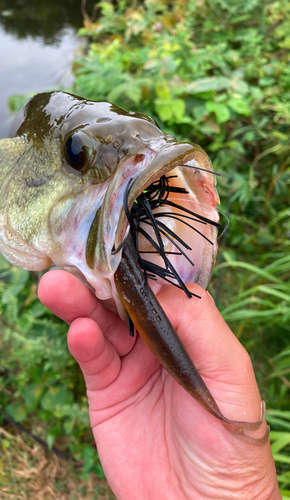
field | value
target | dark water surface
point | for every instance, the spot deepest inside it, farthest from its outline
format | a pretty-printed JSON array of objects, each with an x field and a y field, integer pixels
[{"x": 37, "y": 45}]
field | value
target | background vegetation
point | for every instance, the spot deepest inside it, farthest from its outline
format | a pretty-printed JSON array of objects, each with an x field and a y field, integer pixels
[{"x": 213, "y": 72}]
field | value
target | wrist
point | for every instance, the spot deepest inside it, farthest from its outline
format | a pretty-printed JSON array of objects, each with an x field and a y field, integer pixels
[
  {"x": 276, "y": 494},
  {"x": 260, "y": 474},
  {"x": 239, "y": 471}
]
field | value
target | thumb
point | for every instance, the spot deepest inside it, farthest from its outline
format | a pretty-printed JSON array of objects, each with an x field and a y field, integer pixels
[{"x": 219, "y": 357}]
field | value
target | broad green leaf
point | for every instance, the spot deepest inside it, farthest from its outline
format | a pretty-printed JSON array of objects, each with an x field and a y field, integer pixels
[
  {"x": 239, "y": 86},
  {"x": 239, "y": 106},
  {"x": 90, "y": 457},
  {"x": 56, "y": 396},
  {"x": 205, "y": 84},
  {"x": 200, "y": 111},
  {"x": 210, "y": 127},
  {"x": 221, "y": 111},
  {"x": 164, "y": 109},
  {"x": 38, "y": 309},
  {"x": 232, "y": 56},
  {"x": 162, "y": 91},
  {"x": 134, "y": 93},
  {"x": 32, "y": 394},
  {"x": 178, "y": 108},
  {"x": 68, "y": 426},
  {"x": 17, "y": 411},
  {"x": 19, "y": 276}
]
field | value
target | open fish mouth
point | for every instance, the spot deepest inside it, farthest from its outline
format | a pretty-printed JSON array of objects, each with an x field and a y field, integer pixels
[
  {"x": 170, "y": 208},
  {"x": 157, "y": 224}
]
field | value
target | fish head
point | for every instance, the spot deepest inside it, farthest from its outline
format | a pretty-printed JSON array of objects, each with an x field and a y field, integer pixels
[{"x": 64, "y": 173}]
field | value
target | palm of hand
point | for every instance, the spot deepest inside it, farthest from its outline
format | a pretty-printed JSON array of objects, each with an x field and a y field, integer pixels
[{"x": 153, "y": 439}]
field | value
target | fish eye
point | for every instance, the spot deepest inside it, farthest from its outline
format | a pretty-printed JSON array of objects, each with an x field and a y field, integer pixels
[{"x": 80, "y": 150}]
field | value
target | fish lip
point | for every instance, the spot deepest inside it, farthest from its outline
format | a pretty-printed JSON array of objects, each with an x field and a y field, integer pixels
[{"x": 186, "y": 152}]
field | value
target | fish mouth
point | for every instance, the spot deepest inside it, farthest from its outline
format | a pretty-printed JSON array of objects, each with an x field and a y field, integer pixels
[{"x": 190, "y": 194}]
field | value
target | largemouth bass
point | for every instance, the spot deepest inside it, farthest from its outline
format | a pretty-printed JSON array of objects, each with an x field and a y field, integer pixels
[{"x": 70, "y": 178}]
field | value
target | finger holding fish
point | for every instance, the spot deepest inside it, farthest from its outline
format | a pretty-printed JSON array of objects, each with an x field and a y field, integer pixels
[{"x": 61, "y": 292}]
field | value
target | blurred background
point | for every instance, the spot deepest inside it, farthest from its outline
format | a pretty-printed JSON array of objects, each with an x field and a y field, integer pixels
[{"x": 213, "y": 72}]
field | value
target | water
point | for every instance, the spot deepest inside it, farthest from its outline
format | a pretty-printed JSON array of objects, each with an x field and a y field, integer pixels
[{"x": 37, "y": 45}]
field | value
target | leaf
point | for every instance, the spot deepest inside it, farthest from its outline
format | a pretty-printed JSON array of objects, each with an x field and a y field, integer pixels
[
  {"x": 232, "y": 56},
  {"x": 50, "y": 439},
  {"x": 279, "y": 457},
  {"x": 134, "y": 93},
  {"x": 68, "y": 426},
  {"x": 239, "y": 106},
  {"x": 162, "y": 91},
  {"x": 210, "y": 127},
  {"x": 17, "y": 411},
  {"x": 200, "y": 111},
  {"x": 99, "y": 471},
  {"x": 38, "y": 309},
  {"x": 252, "y": 268},
  {"x": 91, "y": 461},
  {"x": 163, "y": 109},
  {"x": 31, "y": 394},
  {"x": 279, "y": 418},
  {"x": 4, "y": 264},
  {"x": 239, "y": 86},
  {"x": 281, "y": 439},
  {"x": 56, "y": 397},
  {"x": 19, "y": 276},
  {"x": 178, "y": 108},
  {"x": 221, "y": 111},
  {"x": 205, "y": 84}
]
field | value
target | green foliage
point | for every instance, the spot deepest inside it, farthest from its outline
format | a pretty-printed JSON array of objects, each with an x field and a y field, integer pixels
[
  {"x": 198, "y": 68},
  {"x": 215, "y": 73},
  {"x": 39, "y": 380},
  {"x": 280, "y": 441}
]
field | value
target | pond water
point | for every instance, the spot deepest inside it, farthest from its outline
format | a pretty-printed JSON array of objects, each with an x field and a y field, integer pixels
[{"x": 37, "y": 45}]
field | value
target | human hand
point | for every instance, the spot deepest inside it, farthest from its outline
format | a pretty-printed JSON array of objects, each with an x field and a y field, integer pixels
[{"x": 153, "y": 439}]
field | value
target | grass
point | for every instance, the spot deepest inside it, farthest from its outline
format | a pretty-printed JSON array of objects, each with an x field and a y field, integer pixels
[{"x": 28, "y": 472}]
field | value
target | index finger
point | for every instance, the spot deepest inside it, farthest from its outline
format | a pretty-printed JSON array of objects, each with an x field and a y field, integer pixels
[{"x": 69, "y": 299}]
